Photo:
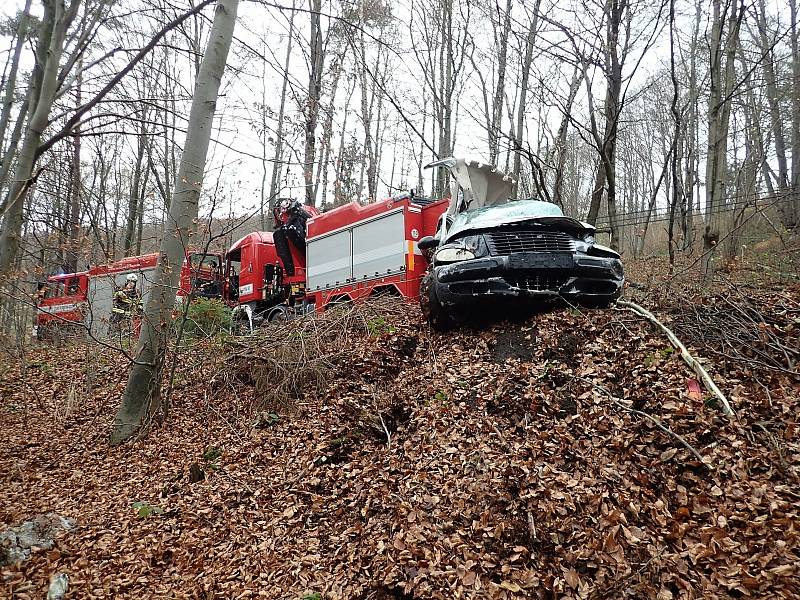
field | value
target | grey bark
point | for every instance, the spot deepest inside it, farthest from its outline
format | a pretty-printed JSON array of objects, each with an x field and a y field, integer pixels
[
  {"x": 134, "y": 198},
  {"x": 52, "y": 33},
  {"x": 723, "y": 42},
  {"x": 141, "y": 399},
  {"x": 795, "y": 95},
  {"x": 561, "y": 138},
  {"x": 519, "y": 131},
  {"x": 499, "y": 90},
  {"x": 74, "y": 233},
  {"x": 316, "y": 58},
  {"x": 10, "y": 86},
  {"x": 277, "y": 165},
  {"x": 776, "y": 121}
]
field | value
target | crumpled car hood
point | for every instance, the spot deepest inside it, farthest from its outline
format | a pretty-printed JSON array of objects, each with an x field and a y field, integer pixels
[{"x": 513, "y": 212}]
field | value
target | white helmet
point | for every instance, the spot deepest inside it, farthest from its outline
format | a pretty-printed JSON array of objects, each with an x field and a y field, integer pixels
[{"x": 132, "y": 277}]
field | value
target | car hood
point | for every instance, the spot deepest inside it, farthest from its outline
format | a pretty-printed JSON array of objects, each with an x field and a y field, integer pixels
[{"x": 518, "y": 211}]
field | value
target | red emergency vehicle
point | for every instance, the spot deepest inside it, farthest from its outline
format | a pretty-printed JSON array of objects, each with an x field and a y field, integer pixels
[
  {"x": 350, "y": 253},
  {"x": 83, "y": 301},
  {"x": 309, "y": 262}
]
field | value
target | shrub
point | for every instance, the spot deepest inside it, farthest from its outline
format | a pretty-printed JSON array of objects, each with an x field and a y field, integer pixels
[{"x": 207, "y": 318}]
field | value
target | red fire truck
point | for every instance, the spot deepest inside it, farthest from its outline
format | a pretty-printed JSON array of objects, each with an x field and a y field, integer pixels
[
  {"x": 83, "y": 301},
  {"x": 350, "y": 253},
  {"x": 61, "y": 305}
]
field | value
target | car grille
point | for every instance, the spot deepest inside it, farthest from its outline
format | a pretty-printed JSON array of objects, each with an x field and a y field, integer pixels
[
  {"x": 540, "y": 282},
  {"x": 502, "y": 243}
]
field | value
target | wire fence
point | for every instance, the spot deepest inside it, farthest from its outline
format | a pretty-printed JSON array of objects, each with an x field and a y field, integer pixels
[{"x": 739, "y": 204}]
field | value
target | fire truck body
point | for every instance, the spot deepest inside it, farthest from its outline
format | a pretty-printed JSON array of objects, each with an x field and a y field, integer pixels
[
  {"x": 355, "y": 251},
  {"x": 90, "y": 306},
  {"x": 351, "y": 252},
  {"x": 105, "y": 280}
]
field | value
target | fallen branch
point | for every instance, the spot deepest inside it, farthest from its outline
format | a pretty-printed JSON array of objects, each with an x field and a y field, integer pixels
[
  {"x": 685, "y": 355},
  {"x": 657, "y": 422}
]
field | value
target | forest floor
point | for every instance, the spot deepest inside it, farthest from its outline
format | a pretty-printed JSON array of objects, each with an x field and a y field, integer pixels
[{"x": 359, "y": 455}]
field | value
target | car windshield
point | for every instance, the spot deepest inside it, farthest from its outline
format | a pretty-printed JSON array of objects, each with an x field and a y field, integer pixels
[{"x": 492, "y": 216}]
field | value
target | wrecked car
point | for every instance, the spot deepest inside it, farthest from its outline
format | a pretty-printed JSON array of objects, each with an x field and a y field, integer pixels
[{"x": 490, "y": 251}]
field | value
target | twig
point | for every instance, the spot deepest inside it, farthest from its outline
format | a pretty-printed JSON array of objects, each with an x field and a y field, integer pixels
[
  {"x": 784, "y": 468},
  {"x": 386, "y": 431},
  {"x": 687, "y": 357}
]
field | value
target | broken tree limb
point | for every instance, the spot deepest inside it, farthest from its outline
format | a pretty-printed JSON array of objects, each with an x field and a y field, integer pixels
[
  {"x": 657, "y": 422},
  {"x": 685, "y": 355}
]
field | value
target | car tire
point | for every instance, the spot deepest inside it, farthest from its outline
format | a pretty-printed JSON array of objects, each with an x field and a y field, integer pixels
[{"x": 438, "y": 317}]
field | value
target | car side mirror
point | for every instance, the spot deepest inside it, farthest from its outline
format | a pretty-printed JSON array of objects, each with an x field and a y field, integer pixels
[{"x": 428, "y": 243}]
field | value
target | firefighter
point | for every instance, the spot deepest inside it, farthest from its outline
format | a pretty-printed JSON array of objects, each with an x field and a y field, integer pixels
[
  {"x": 290, "y": 226},
  {"x": 126, "y": 300}
]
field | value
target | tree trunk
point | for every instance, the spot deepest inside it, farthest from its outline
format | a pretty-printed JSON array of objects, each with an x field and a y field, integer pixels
[
  {"x": 499, "y": 91},
  {"x": 44, "y": 81},
  {"x": 10, "y": 86},
  {"x": 74, "y": 234},
  {"x": 676, "y": 116},
  {"x": 771, "y": 91},
  {"x": 277, "y": 165},
  {"x": 134, "y": 200},
  {"x": 719, "y": 109},
  {"x": 312, "y": 104},
  {"x": 141, "y": 399},
  {"x": 561, "y": 138},
  {"x": 795, "y": 94},
  {"x": 519, "y": 132}
]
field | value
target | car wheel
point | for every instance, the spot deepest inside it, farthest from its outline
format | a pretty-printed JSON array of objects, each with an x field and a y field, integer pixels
[{"x": 436, "y": 314}]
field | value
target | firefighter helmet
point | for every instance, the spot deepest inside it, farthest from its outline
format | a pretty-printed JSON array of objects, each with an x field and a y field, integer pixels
[{"x": 132, "y": 277}]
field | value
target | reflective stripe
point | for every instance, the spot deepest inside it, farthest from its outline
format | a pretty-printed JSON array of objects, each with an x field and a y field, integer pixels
[{"x": 410, "y": 251}]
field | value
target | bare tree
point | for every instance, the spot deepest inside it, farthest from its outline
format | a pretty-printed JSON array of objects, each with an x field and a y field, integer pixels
[
  {"x": 722, "y": 74},
  {"x": 141, "y": 399}
]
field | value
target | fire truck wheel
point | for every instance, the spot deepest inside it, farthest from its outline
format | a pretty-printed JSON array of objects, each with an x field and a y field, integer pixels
[
  {"x": 437, "y": 316},
  {"x": 240, "y": 326},
  {"x": 281, "y": 314}
]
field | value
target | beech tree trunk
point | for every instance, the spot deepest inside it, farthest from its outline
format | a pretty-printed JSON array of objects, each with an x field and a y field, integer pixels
[
  {"x": 10, "y": 87},
  {"x": 722, "y": 77},
  {"x": 277, "y": 165},
  {"x": 795, "y": 94},
  {"x": 519, "y": 130},
  {"x": 316, "y": 59},
  {"x": 500, "y": 89},
  {"x": 44, "y": 85},
  {"x": 141, "y": 399}
]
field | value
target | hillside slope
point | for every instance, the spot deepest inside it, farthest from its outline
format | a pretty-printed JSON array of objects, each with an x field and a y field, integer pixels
[{"x": 500, "y": 462}]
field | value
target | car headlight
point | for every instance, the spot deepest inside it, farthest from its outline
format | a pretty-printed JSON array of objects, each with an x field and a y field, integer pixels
[{"x": 449, "y": 255}]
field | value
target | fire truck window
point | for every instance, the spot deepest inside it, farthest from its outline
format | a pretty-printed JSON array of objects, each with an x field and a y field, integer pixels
[{"x": 42, "y": 291}]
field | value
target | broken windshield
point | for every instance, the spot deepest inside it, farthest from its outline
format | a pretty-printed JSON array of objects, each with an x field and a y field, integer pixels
[{"x": 492, "y": 216}]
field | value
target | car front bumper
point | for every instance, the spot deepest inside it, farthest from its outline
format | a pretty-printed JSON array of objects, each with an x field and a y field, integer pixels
[{"x": 575, "y": 276}]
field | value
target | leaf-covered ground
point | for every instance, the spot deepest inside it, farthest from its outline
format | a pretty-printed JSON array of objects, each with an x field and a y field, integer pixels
[{"x": 499, "y": 462}]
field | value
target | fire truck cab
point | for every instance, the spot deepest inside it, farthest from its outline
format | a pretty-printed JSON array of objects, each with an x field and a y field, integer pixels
[{"x": 61, "y": 305}]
